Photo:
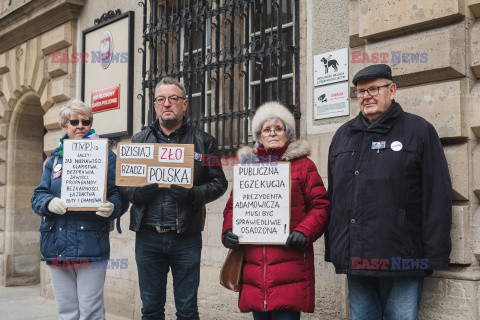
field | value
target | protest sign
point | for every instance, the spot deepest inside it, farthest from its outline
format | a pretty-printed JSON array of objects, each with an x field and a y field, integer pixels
[
  {"x": 261, "y": 202},
  {"x": 84, "y": 173},
  {"x": 139, "y": 164}
]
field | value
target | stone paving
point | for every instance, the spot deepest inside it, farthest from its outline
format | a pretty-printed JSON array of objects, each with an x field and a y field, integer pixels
[{"x": 22, "y": 303}]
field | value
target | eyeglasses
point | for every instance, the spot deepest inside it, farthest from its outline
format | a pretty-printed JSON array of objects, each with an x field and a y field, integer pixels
[
  {"x": 374, "y": 91},
  {"x": 172, "y": 99},
  {"x": 276, "y": 130},
  {"x": 76, "y": 122}
]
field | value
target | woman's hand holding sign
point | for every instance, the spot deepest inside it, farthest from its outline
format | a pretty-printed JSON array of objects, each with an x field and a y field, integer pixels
[
  {"x": 231, "y": 239},
  {"x": 105, "y": 209},
  {"x": 296, "y": 239},
  {"x": 56, "y": 205}
]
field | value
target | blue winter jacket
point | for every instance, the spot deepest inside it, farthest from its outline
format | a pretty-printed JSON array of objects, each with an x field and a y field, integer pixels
[{"x": 79, "y": 234}]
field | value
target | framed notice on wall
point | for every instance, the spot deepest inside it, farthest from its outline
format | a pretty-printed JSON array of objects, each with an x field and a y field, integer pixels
[
  {"x": 84, "y": 173},
  {"x": 261, "y": 202},
  {"x": 139, "y": 164},
  {"x": 330, "y": 67},
  {"x": 331, "y": 101},
  {"x": 107, "y": 74}
]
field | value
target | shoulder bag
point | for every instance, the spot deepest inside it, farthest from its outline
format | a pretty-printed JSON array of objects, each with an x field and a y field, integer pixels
[{"x": 231, "y": 273}]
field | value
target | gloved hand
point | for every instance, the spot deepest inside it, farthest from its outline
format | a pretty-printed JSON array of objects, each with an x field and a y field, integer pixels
[
  {"x": 296, "y": 239},
  {"x": 231, "y": 239},
  {"x": 146, "y": 193},
  {"x": 182, "y": 194},
  {"x": 105, "y": 209},
  {"x": 56, "y": 205}
]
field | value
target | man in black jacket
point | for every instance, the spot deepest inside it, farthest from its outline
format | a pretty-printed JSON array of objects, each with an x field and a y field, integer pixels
[
  {"x": 168, "y": 222},
  {"x": 391, "y": 207}
]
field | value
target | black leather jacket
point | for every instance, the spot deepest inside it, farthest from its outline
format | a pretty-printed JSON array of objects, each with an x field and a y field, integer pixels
[{"x": 209, "y": 181}]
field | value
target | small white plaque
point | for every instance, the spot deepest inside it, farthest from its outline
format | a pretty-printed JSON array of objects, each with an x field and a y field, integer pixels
[
  {"x": 331, "y": 67},
  {"x": 331, "y": 101}
]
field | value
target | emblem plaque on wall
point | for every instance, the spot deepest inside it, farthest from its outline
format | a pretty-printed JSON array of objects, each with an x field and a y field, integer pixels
[
  {"x": 107, "y": 73},
  {"x": 106, "y": 49}
]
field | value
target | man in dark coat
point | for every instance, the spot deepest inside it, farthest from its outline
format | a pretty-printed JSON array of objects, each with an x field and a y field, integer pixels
[
  {"x": 390, "y": 194},
  {"x": 168, "y": 222}
]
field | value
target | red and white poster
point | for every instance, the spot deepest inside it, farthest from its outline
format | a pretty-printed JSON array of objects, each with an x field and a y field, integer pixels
[{"x": 106, "y": 99}]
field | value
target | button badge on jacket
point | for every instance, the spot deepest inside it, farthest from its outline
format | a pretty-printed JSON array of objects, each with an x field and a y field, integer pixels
[
  {"x": 197, "y": 156},
  {"x": 57, "y": 171},
  {"x": 377, "y": 145},
  {"x": 396, "y": 146}
]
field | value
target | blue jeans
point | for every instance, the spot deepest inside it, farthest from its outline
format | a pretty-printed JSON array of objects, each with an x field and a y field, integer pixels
[
  {"x": 372, "y": 298},
  {"x": 276, "y": 315},
  {"x": 155, "y": 253}
]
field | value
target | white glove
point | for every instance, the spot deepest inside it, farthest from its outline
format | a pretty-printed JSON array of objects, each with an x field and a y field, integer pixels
[
  {"x": 105, "y": 210},
  {"x": 56, "y": 205}
]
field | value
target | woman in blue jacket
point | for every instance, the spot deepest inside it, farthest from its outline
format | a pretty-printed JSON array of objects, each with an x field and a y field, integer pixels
[{"x": 75, "y": 245}]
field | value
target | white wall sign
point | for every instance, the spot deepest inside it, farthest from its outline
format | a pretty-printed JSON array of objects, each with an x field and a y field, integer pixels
[
  {"x": 84, "y": 173},
  {"x": 330, "y": 67},
  {"x": 331, "y": 101},
  {"x": 261, "y": 202}
]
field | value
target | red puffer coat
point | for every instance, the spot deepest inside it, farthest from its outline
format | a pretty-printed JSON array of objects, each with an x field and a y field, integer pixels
[{"x": 275, "y": 277}]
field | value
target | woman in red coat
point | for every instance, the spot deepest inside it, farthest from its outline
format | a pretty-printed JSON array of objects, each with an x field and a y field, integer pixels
[{"x": 279, "y": 281}]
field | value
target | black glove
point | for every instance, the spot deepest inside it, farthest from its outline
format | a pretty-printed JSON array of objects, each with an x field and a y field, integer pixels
[
  {"x": 231, "y": 239},
  {"x": 146, "y": 193},
  {"x": 296, "y": 239},
  {"x": 182, "y": 194}
]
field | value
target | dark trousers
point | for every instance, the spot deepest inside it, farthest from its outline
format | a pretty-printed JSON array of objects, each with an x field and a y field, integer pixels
[
  {"x": 276, "y": 315},
  {"x": 155, "y": 254}
]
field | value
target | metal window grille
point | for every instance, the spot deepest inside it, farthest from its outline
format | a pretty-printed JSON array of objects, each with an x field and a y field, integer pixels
[{"x": 231, "y": 55}]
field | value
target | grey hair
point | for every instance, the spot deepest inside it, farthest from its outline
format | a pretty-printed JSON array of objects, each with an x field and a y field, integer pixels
[
  {"x": 74, "y": 107},
  {"x": 170, "y": 80},
  {"x": 288, "y": 130}
]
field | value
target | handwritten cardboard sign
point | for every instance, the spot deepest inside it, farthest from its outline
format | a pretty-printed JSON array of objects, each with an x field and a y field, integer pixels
[
  {"x": 139, "y": 164},
  {"x": 84, "y": 173},
  {"x": 261, "y": 202}
]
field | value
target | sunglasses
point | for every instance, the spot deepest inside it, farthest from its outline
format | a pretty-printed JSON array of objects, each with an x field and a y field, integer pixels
[{"x": 76, "y": 122}]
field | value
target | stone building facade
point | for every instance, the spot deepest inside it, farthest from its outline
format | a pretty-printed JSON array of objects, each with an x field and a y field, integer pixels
[{"x": 444, "y": 89}]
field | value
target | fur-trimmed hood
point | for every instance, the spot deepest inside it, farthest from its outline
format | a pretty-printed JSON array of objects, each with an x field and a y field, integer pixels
[{"x": 296, "y": 150}]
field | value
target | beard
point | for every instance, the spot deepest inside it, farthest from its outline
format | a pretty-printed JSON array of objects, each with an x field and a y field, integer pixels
[{"x": 171, "y": 122}]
